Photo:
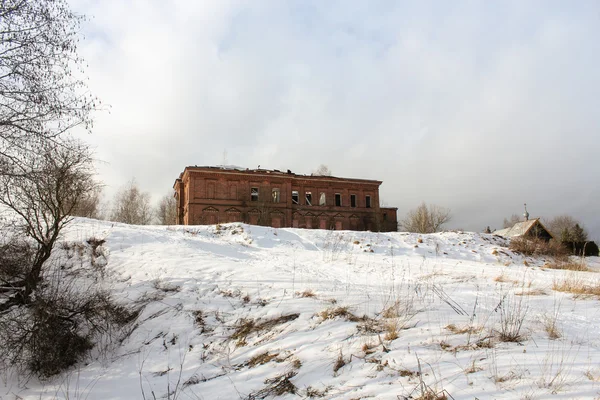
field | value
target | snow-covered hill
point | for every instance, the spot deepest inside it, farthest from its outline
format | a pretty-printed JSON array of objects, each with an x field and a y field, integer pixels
[{"x": 245, "y": 312}]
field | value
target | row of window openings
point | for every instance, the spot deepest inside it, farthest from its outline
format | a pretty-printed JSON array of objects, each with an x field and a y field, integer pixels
[{"x": 308, "y": 198}]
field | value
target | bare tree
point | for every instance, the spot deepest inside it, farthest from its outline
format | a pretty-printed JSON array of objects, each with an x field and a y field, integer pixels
[
  {"x": 132, "y": 206},
  {"x": 89, "y": 205},
  {"x": 323, "y": 170},
  {"x": 509, "y": 223},
  {"x": 567, "y": 229},
  {"x": 426, "y": 219},
  {"x": 40, "y": 95},
  {"x": 167, "y": 210},
  {"x": 41, "y": 196}
]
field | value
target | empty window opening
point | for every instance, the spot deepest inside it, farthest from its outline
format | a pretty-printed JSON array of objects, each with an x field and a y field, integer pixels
[
  {"x": 308, "y": 197},
  {"x": 352, "y": 200},
  {"x": 384, "y": 216},
  {"x": 295, "y": 197},
  {"x": 275, "y": 195},
  {"x": 322, "y": 199},
  {"x": 368, "y": 202},
  {"x": 254, "y": 194},
  {"x": 338, "y": 200}
]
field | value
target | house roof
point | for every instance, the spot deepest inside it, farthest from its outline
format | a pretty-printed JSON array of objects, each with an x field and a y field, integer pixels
[{"x": 520, "y": 228}]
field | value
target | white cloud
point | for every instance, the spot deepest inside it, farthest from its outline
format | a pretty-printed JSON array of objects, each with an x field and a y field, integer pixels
[{"x": 475, "y": 106}]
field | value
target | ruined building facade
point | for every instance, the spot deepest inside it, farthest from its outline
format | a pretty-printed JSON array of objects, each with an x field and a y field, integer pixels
[{"x": 211, "y": 195}]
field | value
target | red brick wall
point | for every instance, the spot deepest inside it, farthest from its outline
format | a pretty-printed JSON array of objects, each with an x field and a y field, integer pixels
[{"x": 213, "y": 195}]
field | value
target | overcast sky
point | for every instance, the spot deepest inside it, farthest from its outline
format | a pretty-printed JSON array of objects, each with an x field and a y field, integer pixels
[{"x": 478, "y": 106}]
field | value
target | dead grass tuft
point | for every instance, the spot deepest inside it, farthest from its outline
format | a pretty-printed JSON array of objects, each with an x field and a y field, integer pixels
[
  {"x": 431, "y": 395},
  {"x": 464, "y": 329},
  {"x": 261, "y": 359},
  {"x": 391, "y": 330},
  {"x": 471, "y": 369},
  {"x": 306, "y": 293},
  {"x": 340, "y": 312},
  {"x": 513, "y": 313},
  {"x": 246, "y": 326},
  {"x": 277, "y": 386},
  {"x": 568, "y": 264},
  {"x": 339, "y": 363},
  {"x": 577, "y": 285},
  {"x": 551, "y": 328},
  {"x": 532, "y": 292},
  {"x": 507, "y": 377},
  {"x": 313, "y": 392},
  {"x": 503, "y": 279}
]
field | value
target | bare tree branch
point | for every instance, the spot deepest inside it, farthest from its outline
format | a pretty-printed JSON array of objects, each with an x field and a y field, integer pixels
[{"x": 426, "y": 219}]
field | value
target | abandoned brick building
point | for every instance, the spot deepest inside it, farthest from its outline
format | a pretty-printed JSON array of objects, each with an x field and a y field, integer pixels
[{"x": 211, "y": 195}]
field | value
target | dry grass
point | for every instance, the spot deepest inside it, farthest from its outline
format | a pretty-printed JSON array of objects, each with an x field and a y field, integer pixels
[
  {"x": 538, "y": 247},
  {"x": 507, "y": 377},
  {"x": 577, "y": 285},
  {"x": 391, "y": 330},
  {"x": 552, "y": 329},
  {"x": 431, "y": 395},
  {"x": 481, "y": 343},
  {"x": 339, "y": 363},
  {"x": 532, "y": 292},
  {"x": 306, "y": 293},
  {"x": 513, "y": 313},
  {"x": 246, "y": 327},
  {"x": 340, "y": 312},
  {"x": 261, "y": 359},
  {"x": 567, "y": 264},
  {"x": 277, "y": 386},
  {"x": 503, "y": 279},
  {"x": 593, "y": 375},
  {"x": 313, "y": 392},
  {"x": 471, "y": 369},
  {"x": 368, "y": 347},
  {"x": 464, "y": 329},
  {"x": 400, "y": 309}
]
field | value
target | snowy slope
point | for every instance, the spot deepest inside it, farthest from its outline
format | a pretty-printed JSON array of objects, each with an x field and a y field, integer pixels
[{"x": 240, "y": 312}]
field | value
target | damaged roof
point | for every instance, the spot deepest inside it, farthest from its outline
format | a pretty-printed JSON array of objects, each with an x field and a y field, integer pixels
[{"x": 520, "y": 228}]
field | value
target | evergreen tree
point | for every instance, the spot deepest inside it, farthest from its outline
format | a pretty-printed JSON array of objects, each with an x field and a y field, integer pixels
[{"x": 578, "y": 234}]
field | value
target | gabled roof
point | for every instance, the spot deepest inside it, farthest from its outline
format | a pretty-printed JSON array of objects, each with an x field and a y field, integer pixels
[{"x": 520, "y": 228}]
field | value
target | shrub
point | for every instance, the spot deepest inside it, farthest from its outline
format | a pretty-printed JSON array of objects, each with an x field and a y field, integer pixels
[
  {"x": 58, "y": 327},
  {"x": 538, "y": 247}
]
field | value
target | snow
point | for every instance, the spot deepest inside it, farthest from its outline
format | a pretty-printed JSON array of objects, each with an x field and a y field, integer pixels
[{"x": 203, "y": 283}]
